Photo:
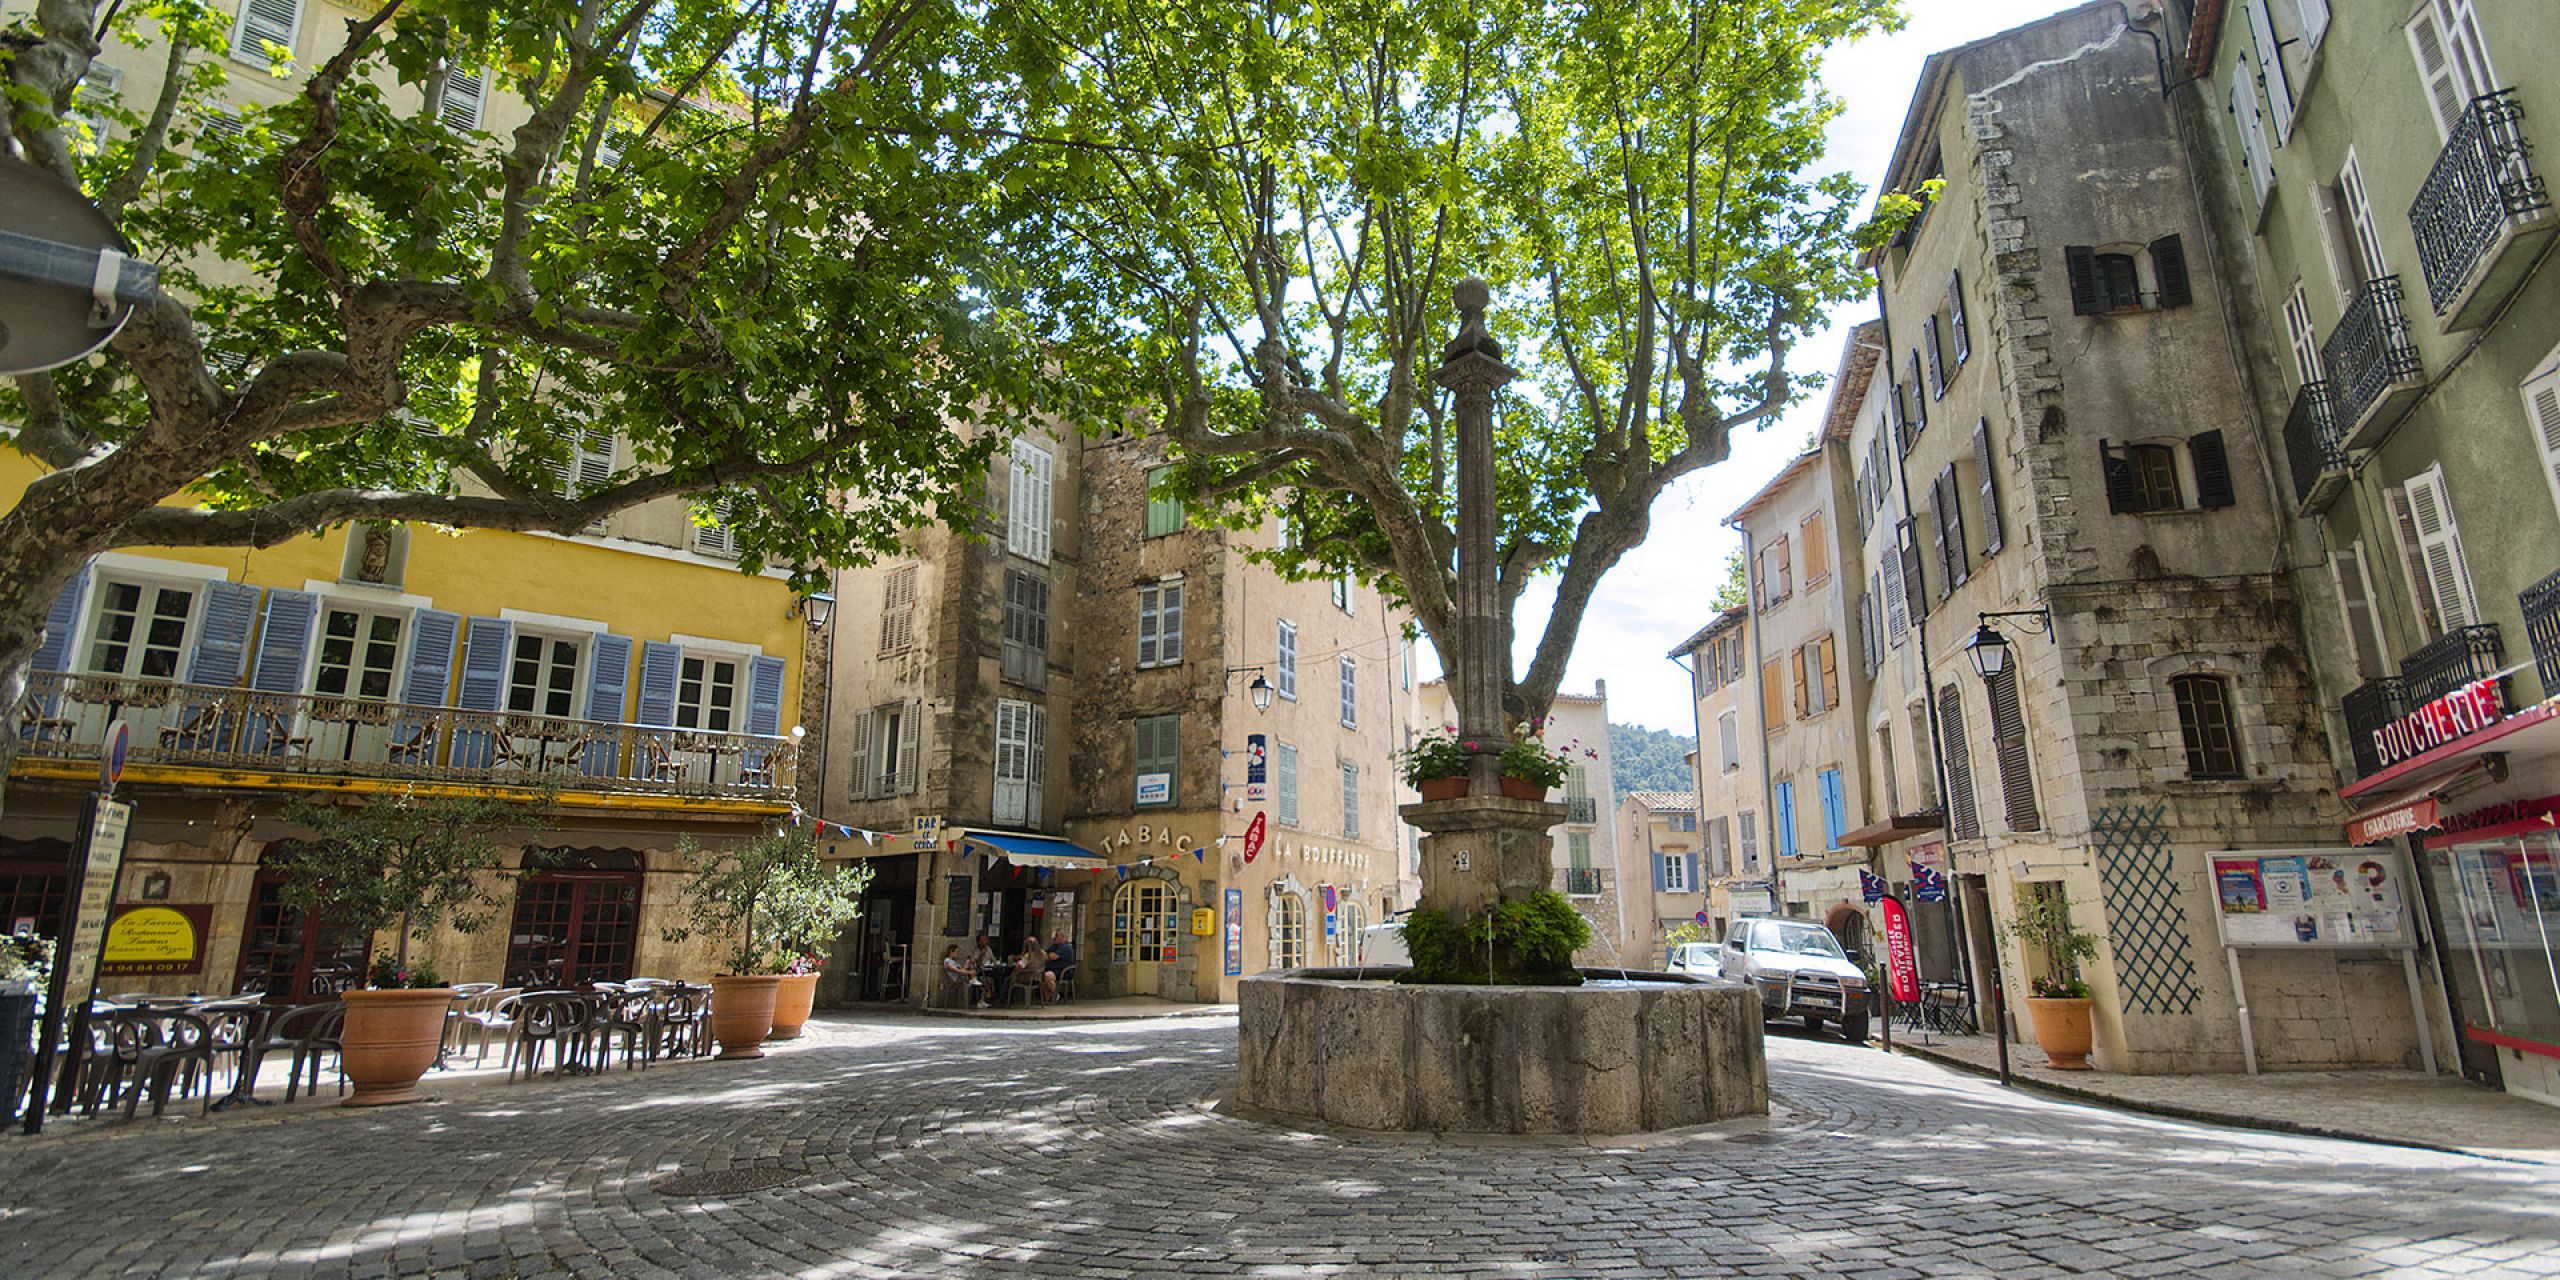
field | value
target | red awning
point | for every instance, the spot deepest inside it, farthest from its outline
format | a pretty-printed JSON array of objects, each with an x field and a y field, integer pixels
[{"x": 2407, "y": 811}]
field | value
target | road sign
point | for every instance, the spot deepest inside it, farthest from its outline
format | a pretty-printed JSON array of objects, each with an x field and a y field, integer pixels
[
  {"x": 1253, "y": 836},
  {"x": 111, "y": 755},
  {"x": 67, "y": 282}
]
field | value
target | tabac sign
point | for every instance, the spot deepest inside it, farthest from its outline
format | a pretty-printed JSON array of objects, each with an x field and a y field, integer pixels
[{"x": 2451, "y": 718}]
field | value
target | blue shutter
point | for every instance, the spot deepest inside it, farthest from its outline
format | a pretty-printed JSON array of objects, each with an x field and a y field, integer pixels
[
  {"x": 1696, "y": 885},
  {"x": 283, "y": 639},
  {"x": 1835, "y": 813},
  {"x": 484, "y": 681},
  {"x": 430, "y": 658},
  {"x": 223, "y": 640},
  {"x": 608, "y": 689},
  {"x": 764, "y": 697},
  {"x": 658, "y": 664},
  {"x": 1660, "y": 885},
  {"x": 1786, "y": 816},
  {"x": 60, "y": 621}
]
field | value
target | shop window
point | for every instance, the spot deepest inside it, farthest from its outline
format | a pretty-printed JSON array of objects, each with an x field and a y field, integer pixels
[
  {"x": 1288, "y": 929},
  {"x": 292, "y": 957},
  {"x": 2205, "y": 722},
  {"x": 35, "y": 880},
  {"x": 577, "y": 919}
]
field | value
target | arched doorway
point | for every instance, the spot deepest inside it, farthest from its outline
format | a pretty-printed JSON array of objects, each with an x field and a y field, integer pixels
[
  {"x": 289, "y": 956},
  {"x": 577, "y": 918},
  {"x": 1849, "y": 925},
  {"x": 1145, "y": 931},
  {"x": 1288, "y": 908}
]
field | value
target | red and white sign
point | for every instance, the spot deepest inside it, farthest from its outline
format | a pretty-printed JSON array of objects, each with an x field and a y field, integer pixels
[
  {"x": 1253, "y": 836},
  {"x": 2399, "y": 820},
  {"x": 2451, "y": 718},
  {"x": 1932, "y": 856},
  {"x": 1902, "y": 966}
]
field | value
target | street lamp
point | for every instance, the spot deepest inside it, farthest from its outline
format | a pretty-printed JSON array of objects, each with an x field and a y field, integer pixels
[
  {"x": 817, "y": 607},
  {"x": 1989, "y": 649},
  {"x": 1258, "y": 689}
]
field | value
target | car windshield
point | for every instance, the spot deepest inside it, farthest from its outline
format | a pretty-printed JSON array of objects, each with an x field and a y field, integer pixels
[{"x": 1800, "y": 940}]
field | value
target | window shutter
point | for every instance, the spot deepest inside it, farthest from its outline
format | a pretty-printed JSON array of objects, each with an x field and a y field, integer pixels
[
  {"x": 1288, "y": 661},
  {"x": 2252, "y": 125},
  {"x": 1915, "y": 592},
  {"x": 1661, "y": 882},
  {"x": 223, "y": 637},
  {"x": 1169, "y": 627},
  {"x": 1350, "y": 694},
  {"x": 764, "y": 697},
  {"x": 1957, "y": 327},
  {"x": 2440, "y": 549},
  {"x": 1284, "y": 764},
  {"x": 466, "y": 93},
  {"x": 1773, "y": 694},
  {"x": 262, "y": 23},
  {"x": 2315, "y": 21},
  {"x": 2080, "y": 264},
  {"x": 2213, "y": 469},
  {"x": 1028, "y": 514},
  {"x": 1011, "y": 727},
  {"x": 1783, "y": 822},
  {"x": 2279, "y": 87},
  {"x": 1148, "y": 608},
  {"x": 910, "y": 746},
  {"x": 1830, "y": 673},
  {"x": 1804, "y": 706},
  {"x": 2009, "y": 739},
  {"x": 1897, "y": 610},
  {"x": 2169, "y": 271},
  {"x": 2542, "y": 413},
  {"x": 1729, "y": 732},
  {"x": 1992, "y": 534},
  {"x": 1951, "y": 511},
  {"x": 1919, "y": 406},
  {"x": 2124, "y": 490},
  {"x": 1035, "y": 807},
  {"x": 898, "y": 611},
  {"x": 2355, "y": 607},
  {"x": 1012, "y": 659},
  {"x": 2435, "y": 68},
  {"x": 430, "y": 676},
  {"x": 863, "y": 728},
  {"x": 1937, "y": 358},
  {"x": 1938, "y": 538},
  {"x": 1746, "y": 827},
  {"x": 608, "y": 688},
  {"x": 62, "y": 618},
  {"x": 1834, "y": 823},
  {"x": 1694, "y": 884},
  {"x": 659, "y": 663},
  {"x": 283, "y": 638},
  {"x": 1350, "y": 802},
  {"x": 1963, "y": 822}
]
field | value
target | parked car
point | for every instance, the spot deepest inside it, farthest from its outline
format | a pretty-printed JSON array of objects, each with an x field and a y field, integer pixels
[
  {"x": 1799, "y": 970},
  {"x": 1698, "y": 959}
]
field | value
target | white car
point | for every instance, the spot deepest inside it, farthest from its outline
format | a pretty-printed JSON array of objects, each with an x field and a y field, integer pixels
[
  {"x": 1799, "y": 969},
  {"x": 1697, "y": 959}
]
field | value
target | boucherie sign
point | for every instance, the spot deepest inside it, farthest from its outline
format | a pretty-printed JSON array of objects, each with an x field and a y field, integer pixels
[{"x": 2451, "y": 718}]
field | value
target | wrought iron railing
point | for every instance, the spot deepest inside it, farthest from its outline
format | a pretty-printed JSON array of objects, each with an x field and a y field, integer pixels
[
  {"x": 2541, "y": 603},
  {"x": 2367, "y": 353},
  {"x": 1582, "y": 881},
  {"x": 1581, "y": 809},
  {"x": 2449, "y": 662},
  {"x": 2484, "y": 178},
  {"x": 66, "y": 717},
  {"x": 2371, "y": 707},
  {"x": 2311, "y": 441}
]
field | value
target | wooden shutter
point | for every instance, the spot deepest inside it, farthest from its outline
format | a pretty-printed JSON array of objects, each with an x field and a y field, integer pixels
[
  {"x": 2088, "y": 294},
  {"x": 283, "y": 638},
  {"x": 1169, "y": 623},
  {"x": 1951, "y": 511},
  {"x": 484, "y": 665},
  {"x": 864, "y": 726},
  {"x": 764, "y": 696},
  {"x": 2279, "y": 87},
  {"x": 1284, "y": 784},
  {"x": 1149, "y": 605},
  {"x": 1897, "y": 608},
  {"x": 2445, "y": 91},
  {"x": 1924, "y": 760},
  {"x": 1937, "y": 357},
  {"x": 1350, "y": 693},
  {"x": 62, "y": 617},
  {"x": 1773, "y": 694},
  {"x": 2315, "y": 21},
  {"x": 1919, "y": 406},
  {"x": 1830, "y": 672},
  {"x": 1028, "y": 513},
  {"x": 466, "y": 94},
  {"x": 1804, "y": 705},
  {"x": 1993, "y": 537},
  {"x": 1288, "y": 661},
  {"x": 2252, "y": 126},
  {"x": 910, "y": 746},
  {"x": 1035, "y": 805},
  {"x": 263, "y": 23},
  {"x": 222, "y": 639},
  {"x": 2213, "y": 469},
  {"x": 1012, "y": 775},
  {"x": 2347, "y": 572},
  {"x": 1783, "y": 822},
  {"x": 1963, "y": 822},
  {"x": 1817, "y": 548},
  {"x": 2413, "y": 564},
  {"x": 2124, "y": 488},
  {"x": 2542, "y": 414},
  {"x": 1351, "y": 803},
  {"x": 1958, "y": 329},
  {"x": 430, "y": 675},
  {"x": 898, "y": 611},
  {"x": 2440, "y": 549},
  {"x": 608, "y": 692},
  {"x": 659, "y": 664},
  {"x": 1915, "y": 590},
  {"x": 2009, "y": 741},
  {"x": 1746, "y": 827},
  {"x": 2169, "y": 271}
]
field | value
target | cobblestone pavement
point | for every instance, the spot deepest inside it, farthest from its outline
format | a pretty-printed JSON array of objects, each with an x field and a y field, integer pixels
[{"x": 909, "y": 1147}]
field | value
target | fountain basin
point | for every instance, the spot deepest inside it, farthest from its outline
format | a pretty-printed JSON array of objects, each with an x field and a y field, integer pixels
[{"x": 1635, "y": 1053}]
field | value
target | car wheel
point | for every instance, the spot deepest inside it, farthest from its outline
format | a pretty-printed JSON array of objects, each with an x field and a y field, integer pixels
[{"x": 1854, "y": 1028}]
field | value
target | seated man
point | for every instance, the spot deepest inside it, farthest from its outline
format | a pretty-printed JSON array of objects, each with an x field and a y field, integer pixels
[
  {"x": 1062, "y": 958},
  {"x": 960, "y": 976}
]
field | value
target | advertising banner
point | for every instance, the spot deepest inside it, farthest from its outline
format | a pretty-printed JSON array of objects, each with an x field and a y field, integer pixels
[
  {"x": 1901, "y": 962},
  {"x": 156, "y": 939},
  {"x": 1235, "y": 932},
  {"x": 1257, "y": 768}
]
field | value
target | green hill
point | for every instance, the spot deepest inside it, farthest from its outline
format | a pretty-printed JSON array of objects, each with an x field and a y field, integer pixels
[{"x": 1649, "y": 760}]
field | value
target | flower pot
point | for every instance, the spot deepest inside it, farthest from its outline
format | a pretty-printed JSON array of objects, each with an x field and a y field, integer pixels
[
  {"x": 1442, "y": 788},
  {"x": 389, "y": 1039},
  {"x": 792, "y": 1002},
  {"x": 2062, "y": 1031},
  {"x": 1522, "y": 789},
  {"x": 742, "y": 1012}
]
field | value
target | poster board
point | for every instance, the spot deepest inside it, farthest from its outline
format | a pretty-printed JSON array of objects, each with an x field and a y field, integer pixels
[{"x": 2313, "y": 899}]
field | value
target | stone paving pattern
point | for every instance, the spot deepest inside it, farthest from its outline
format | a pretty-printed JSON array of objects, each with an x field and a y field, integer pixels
[{"x": 917, "y": 1147}]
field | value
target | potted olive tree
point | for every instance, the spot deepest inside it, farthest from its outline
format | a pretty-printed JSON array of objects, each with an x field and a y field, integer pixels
[
  {"x": 2058, "y": 998},
  {"x": 762, "y": 898},
  {"x": 808, "y": 907},
  {"x": 411, "y": 864}
]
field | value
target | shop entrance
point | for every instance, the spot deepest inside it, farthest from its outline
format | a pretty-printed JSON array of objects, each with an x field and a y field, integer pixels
[
  {"x": 289, "y": 956},
  {"x": 1144, "y": 932},
  {"x": 577, "y": 919},
  {"x": 884, "y": 963}
]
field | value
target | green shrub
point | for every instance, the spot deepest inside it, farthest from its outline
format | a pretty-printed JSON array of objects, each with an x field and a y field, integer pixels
[{"x": 1529, "y": 942}]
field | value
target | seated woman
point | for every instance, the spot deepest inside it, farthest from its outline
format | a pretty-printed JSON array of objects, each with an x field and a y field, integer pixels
[
  {"x": 1026, "y": 966},
  {"x": 959, "y": 975}
]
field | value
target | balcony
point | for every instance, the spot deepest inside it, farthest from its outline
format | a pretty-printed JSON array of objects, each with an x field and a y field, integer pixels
[
  {"x": 1582, "y": 882},
  {"x": 2373, "y": 369},
  {"x": 2481, "y": 213},
  {"x": 2541, "y": 603},
  {"x": 2311, "y": 445},
  {"x": 218, "y": 727},
  {"x": 2449, "y": 662},
  {"x": 1581, "y": 809},
  {"x": 2371, "y": 707}
]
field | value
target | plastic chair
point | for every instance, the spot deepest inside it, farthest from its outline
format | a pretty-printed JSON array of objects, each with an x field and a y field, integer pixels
[
  {"x": 184, "y": 1048},
  {"x": 631, "y": 1016},
  {"x": 556, "y": 1018},
  {"x": 489, "y": 1015},
  {"x": 1067, "y": 981}
]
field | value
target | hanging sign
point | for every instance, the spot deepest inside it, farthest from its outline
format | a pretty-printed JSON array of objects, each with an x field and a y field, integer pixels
[
  {"x": 1928, "y": 884},
  {"x": 1870, "y": 887},
  {"x": 1902, "y": 964},
  {"x": 1253, "y": 837},
  {"x": 156, "y": 939},
  {"x": 1257, "y": 768},
  {"x": 2451, "y": 718}
]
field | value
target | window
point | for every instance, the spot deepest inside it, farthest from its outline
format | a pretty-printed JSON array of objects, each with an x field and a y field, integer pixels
[
  {"x": 1164, "y": 514},
  {"x": 359, "y": 649},
  {"x": 1675, "y": 873},
  {"x": 1288, "y": 929},
  {"x": 1817, "y": 679},
  {"x": 1835, "y": 807},
  {"x": 1350, "y": 802},
  {"x": 707, "y": 692},
  {"x": 1027, "y": 514},
  {"x": 2132, "y": 278},
  {"x": 2302, "y": 337},
  {"x": 1773, "y": 695},
  {"x": 139, "y": 630},
  {"x": 589, "y": 464},
  {"x": 2453, "y": 61},
  {"x": 887, "y": 742},
  {"x": 1284, "y": 783},
  {"x": 1342, "y": 593},
  {"x": 1287, "y": 661},
  {"x": 2155, "y": 476},
  {"x": 2432, "y": 548},
  {"x": 1729, "y": 736},
  {"x": 2009, "y": 742},
  {"x": 1577, "y": 850},
  {"x": 898, "y": 611},
  {"x": 1022, "y": 755},
  {"x": 1782, "y": 818},
  {"x": 1350, "y": 693},
  {"x": 2252, "y": 126},
  {"x": 2148, "y": 477},
  {"x": 2271, "y": 75},
  {"x": 1777, "y": 574},
  {"x": 466, "y": 99},
  {"x": 1160, "y": 623},
  {"x": 1746, "y": 825},
  {"x": 1817, "y": 549},
  {"x": 2204, "y": 721},
  {"x": 1963, "y": 823},
  {"x": 542, "y": 674},
  {"x": 1026, "y": 629},
  {"x": 1158, "y": 755},
  {"x": 263, "y": 23}
]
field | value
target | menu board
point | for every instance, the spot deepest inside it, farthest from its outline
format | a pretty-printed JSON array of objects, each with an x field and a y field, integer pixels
[{"x": 2312, "y": 898}]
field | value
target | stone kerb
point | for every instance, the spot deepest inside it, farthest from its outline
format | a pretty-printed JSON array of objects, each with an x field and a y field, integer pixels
[{"x": 1526, "y": 1060}]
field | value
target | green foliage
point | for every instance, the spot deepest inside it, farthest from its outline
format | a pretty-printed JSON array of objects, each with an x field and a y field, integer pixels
[
  {"x": 1437, "y": 754},
  {"x": 405, "y": 859},
  {"x": 1642, "y": 759},
  {"x": 1531, "y": 940},
  {"x": 770, "y": 901},
  {"x": 1736, "y": 591},
  {"x": 391, "y": 973},
  {"x": 2043, "y": 922},
  {"x": 1530, "y": 759},
  {"x": 26, "y": 960}
]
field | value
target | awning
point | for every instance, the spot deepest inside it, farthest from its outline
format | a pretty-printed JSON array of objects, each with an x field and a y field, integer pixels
[
  {"x": 2409, "y": 810},
  {"x": 1901, "y": 826},
  {"x": 1028, "y": 850}
]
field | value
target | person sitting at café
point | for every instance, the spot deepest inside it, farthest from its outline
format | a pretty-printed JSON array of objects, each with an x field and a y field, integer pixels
[
  {"x": 1062, "y": 957},
  {"x": 1026, "y": 967},
  {"x": 960, "y": 975},
  {"x": 986, "y": 958}
]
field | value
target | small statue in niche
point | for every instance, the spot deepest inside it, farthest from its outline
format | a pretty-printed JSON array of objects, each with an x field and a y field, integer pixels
[{"x": 375, "y": 566}]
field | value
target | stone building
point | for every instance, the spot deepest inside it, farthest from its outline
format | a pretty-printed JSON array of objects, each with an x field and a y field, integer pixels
[
  {"x": 2069, "y": 424},
  {"x": 1727, "y": 764},
  {"x": 1586, "y": 843},
  {"x": 1659, "y": 846},
  {"x": 2371, "y": 170}
]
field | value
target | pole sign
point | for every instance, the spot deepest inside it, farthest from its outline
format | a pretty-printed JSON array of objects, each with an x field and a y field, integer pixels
[
  {"x": 1257, "y": 765},
  {"x": 1902, "y": 964},
  {"x": 1253, "y": 837},
  {"x": 111, "y": 754},
  {"x": 103, "y": 826}
]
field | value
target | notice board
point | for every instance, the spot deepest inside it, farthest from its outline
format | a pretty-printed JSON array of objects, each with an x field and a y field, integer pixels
[{"x": 2313, "y": 898}]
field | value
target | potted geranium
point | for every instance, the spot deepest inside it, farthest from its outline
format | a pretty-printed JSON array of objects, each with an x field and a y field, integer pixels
[
  {"x": 2058, "y": 999},
  {"x": 412, "y": 864},
  {"x": 1436, "y": 765},
  {"x": 805, "y": 910},
  {"x": 752, "y": 895},
  {"x": 1530, "y": 768}
]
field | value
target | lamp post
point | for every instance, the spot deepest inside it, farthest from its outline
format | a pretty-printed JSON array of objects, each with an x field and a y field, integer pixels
[
  {"x": 1989, "y": 652},
  {"x": 1258, "y": 688},
  {"x": 817, "y": 607}
]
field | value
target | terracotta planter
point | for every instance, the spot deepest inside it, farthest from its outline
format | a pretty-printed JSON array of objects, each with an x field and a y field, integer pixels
[
  {"x": 2062, "y": 1031},
  {"x": 1522, "y": 789},
  {"x": 1442, "y": 788},
  {"x": 742, "y": 1012},
  {"x": 792, "y": 1002},
  {"x": 389, "y": 1040}
]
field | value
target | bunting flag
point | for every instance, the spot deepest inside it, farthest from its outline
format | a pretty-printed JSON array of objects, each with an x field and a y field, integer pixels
[
  {"x": 1870, "y": 886},
  {"x": 1197, "y": 853},
  {"x": 1928, "y": 884}
]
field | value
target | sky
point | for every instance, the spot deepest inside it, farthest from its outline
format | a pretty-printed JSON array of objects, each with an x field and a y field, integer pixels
[{"x": 1660, "y": 593}]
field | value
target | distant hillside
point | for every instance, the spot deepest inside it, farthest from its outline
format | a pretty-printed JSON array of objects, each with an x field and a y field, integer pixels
[{"x": 1649, "y": 760}]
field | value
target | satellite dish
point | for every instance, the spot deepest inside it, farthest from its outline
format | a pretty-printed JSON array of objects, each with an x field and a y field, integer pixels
[{"x": 67, "y": 282}]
